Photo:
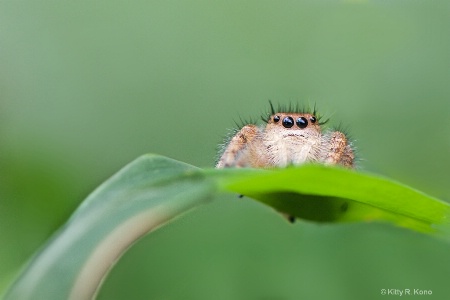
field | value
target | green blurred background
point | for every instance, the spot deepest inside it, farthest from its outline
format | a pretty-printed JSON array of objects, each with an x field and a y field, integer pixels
[{"x": 87, "y": 87}]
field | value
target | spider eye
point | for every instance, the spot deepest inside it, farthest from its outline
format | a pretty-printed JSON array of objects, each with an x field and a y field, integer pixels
[
  {"x": 288, "y": 122},
  {"x": 313, "y": 119},
  {"x": 302, "y": 122},
  {"x": 276, "y": 119}
]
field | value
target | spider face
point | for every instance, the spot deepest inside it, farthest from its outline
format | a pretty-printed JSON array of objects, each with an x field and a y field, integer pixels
[
  {"x": 292, "y": 124},
  {"x": 287, "y": 138},
  {"x": 288, "y": 120}
]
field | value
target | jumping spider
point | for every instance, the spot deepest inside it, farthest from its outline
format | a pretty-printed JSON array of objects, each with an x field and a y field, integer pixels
[{"x": 291, "y": 137}]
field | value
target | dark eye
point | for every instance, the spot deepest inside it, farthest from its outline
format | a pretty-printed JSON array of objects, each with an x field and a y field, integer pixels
[
  {"x": 302, "y": 122},
  {"x": 313, "y": 119},
  {"x": 276, "y": 119},
  {"x": 288, "y": 122}
]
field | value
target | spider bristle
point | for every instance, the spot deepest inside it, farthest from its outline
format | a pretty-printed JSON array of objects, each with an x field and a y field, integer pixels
[
  {"x": 321, "y": 120},
  {"x": 243, "y": 122},
  {"x": 293, "y": 108},
  {"x": 344, "y": 129},
  {"x": 272, "y": 110}
]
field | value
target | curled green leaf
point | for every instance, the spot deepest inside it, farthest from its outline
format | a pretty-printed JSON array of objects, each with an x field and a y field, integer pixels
[
  {"x": 153, "y": 190},
  {"x": 332, "y": 194}
]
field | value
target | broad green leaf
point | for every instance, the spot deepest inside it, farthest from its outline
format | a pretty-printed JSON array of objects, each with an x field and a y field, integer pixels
[
  {"x": 153, "y": 189},
  {"x": 331, "y": 194},
  {"x": 144, "y": 195}
]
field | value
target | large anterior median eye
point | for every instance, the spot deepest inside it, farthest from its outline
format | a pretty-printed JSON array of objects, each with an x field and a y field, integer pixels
[
  {"x": 302, "y": 122},
  {"x": 288, "y": 122}
]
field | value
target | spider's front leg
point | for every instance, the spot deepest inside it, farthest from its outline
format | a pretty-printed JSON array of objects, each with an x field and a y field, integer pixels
[
  {"x": 237, "y": 145},
  {"x": 336, "y": 150}
]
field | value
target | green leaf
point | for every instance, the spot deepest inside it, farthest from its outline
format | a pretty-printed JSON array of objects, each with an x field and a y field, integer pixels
[
  {"x": 331, "y": 194},
  {"x": 144, "y": 195},
  {"x": 153, "y": 190}
]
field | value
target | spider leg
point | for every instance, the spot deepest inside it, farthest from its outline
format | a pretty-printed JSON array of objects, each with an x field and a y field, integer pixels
[
  {"x": 336, "y": 150},
  {"x": 236, "y": 145},
  {"x": 348, "y": 157}
]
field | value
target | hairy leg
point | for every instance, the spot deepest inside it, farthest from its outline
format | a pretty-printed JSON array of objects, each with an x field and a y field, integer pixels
[
  {"x": 348, "y": 157},
  {"x": 336, "y": 150},
  {"x": 236, "y": 145}
]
